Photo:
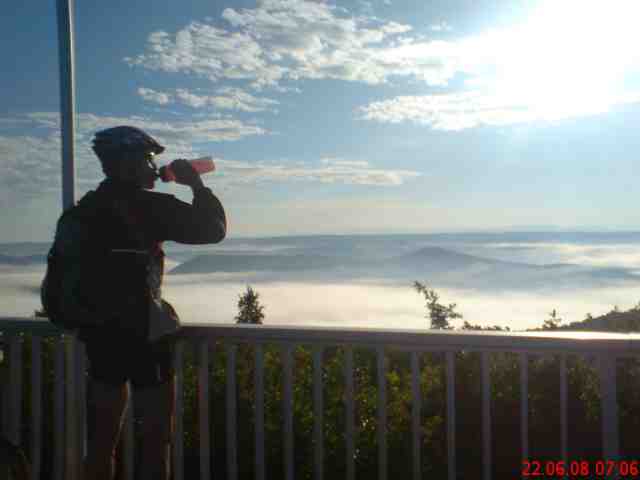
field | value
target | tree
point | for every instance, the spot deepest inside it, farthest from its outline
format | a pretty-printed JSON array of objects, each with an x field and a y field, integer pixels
[
  {"x": 495, "y": 328},
  {"x": 250, "y": 310},
  {"x": 438, "y": 313},
  {"x": 553, "y": 322}
]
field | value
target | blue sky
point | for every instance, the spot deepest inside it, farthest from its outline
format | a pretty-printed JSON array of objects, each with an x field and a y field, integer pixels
[{"x": 381, "y": 116}]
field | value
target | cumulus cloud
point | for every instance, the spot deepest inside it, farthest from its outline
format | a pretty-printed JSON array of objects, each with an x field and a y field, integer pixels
[
  {"x": 204, "y": 130},
  {"x": 331, "y": 171},
  {"x": 30, "y": 163},
  {"x": 441, "y": 27},
  {"x": 458, "y": 111},
  {"x": 152, "y": 96},
  {"x": 283, "y": 40},
  {"x": 30, "y": 160},
  {"x": 228, "y": 98},
  {"x": 511, "y": 75}
]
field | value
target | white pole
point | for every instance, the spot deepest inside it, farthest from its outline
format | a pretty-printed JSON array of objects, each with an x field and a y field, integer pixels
[
  {"x": 67, "y": 123},
  {"x": 66, "y": 56}
]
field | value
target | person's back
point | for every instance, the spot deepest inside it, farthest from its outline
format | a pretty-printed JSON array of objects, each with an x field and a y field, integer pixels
[{"x": 133, "y": 222}]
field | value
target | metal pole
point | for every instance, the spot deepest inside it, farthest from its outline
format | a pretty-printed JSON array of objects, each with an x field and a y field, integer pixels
[
  {"x": 66, "y": 56},
  {"x": 67, "y": 123}
]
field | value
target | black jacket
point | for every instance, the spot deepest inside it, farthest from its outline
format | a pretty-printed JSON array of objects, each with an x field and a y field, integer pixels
[
  {"x": 162, "y": 217},
  {"x": 126, "y": 221}
]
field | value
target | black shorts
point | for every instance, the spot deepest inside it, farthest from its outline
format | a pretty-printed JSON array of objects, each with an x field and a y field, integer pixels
[{"x": 115, "y": 360}]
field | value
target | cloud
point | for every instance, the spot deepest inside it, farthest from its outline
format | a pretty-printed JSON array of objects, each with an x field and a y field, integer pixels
[
  {"x": 153, "y": 96},
  {"x": 204, "y": 130},
  {"x": 332, "y": 171},
  {"x": 441, "y": 27},
  {"x": 30, "y": 160},
  {"x": 228, "y": 98},
  {"x": 368, "y": 303},
  {"x": 511, "y": 75},
  {"x": 616, "y": 255},
  {"x": 30, "y": 166},
  {"x": 458, "y": 111},
  {"x": 288, "y": 40}
]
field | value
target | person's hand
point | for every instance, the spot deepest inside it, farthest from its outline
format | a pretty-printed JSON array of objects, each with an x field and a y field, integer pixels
[{"x": 186, "y": 174}]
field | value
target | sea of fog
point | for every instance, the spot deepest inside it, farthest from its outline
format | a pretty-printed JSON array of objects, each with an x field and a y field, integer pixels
[{"x": 512, "y": 280}]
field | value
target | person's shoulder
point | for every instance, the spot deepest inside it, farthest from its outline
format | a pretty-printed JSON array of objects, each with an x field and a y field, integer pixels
[
  {"x": 155, "y": 199},
  {"x": 159, "y": 196}
]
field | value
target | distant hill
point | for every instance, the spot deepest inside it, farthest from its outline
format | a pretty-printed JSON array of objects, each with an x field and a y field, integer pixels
[
  {"x": 435, "y": 258},
  {"x": 435, "y": 264},
  {"x": 213, "y": 263},
  {"x": 25, "y": 260},
  {"x": 613, "y": 321}
]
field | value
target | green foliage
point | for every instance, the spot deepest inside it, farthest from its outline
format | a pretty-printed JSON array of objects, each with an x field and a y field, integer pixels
[
  {"x": 250, "y": 310},
  {"x": 439, "y": 314},
  {"x": 495, "y": 328},
  {"x": 553, "y": 322}
]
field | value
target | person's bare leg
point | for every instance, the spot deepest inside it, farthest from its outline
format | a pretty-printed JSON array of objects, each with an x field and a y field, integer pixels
[
  {"x": 156, "y": 410},
  {"x": 109, "y": 402}
]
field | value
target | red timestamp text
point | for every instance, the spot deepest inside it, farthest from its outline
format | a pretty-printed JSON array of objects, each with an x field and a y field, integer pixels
[{"x": 580, "y": 468}]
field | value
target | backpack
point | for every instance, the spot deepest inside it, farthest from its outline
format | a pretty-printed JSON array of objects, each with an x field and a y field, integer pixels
[{"x": 68, "y": 291}]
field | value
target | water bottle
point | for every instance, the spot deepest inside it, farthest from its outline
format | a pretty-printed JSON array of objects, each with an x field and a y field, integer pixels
[{"x": 200, "y": 165}]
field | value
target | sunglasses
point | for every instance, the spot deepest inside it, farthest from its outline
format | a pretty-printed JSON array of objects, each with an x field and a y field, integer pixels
[{"x": 150, "y": 162}]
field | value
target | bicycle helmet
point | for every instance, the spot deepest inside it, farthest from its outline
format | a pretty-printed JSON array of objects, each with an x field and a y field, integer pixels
[{"x": 125, "y": 138}]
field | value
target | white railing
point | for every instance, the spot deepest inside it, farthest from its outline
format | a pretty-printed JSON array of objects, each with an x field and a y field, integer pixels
[{"x": 69, "y": 429}]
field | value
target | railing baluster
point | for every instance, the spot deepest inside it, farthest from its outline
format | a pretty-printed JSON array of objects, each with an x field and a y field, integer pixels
[
  {"x": 524, "y": 405},
  {"x": 259, "y": 386},
  {"x": 129, "y": 438},
  {"x": 318, "y": 441},
  {"x": 486, "y": 416},
  {"x": 350, "y": 414},
  {"x": 416, "y": 407},
  {"x": 451, "y": 416},
  {"x": 608, "y": 392},
  {"x": 36, "y": 406},
  {"x": 382, "y": 415},
  {"x": 232, "y": 457},
  {"x": 4, "y": 430},
  {"x": 203, "y": 410},
  {"x": 58, "y": 409},
  {"x": 178, "y": 441},
  {"x": 72, "y": 447},
  {"x": 288, "y": 412},
  {"x": 563, "y": 409},
  {"x": 81, "y": 378},
  {"x": 15, "y": 389}
]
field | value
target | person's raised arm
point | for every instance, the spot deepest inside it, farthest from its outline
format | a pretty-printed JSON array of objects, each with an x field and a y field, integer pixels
[{"x": 204, "y": 221}]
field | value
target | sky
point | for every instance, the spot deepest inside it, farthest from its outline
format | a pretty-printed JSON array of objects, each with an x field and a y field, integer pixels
[{"x": 336, "y": 117}]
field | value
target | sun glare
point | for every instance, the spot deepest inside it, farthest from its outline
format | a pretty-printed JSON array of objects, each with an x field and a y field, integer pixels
[{"x": 570, "y": 58}]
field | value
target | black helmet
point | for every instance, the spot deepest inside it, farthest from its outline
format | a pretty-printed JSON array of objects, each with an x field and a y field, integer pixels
[{"x": 125, "y": 138}]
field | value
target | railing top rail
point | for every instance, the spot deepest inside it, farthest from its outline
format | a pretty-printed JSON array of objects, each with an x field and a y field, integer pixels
[
  {"x": 575, "y": 341},
  {"x": 27, "y": 325},
  {"x": 424, "y": 339}
]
